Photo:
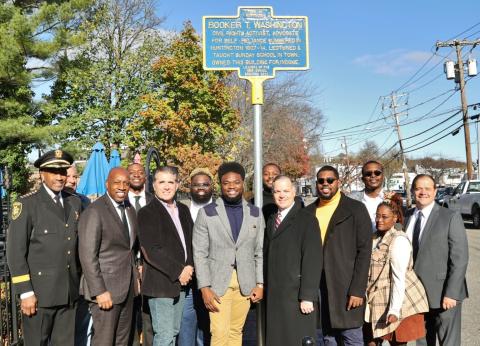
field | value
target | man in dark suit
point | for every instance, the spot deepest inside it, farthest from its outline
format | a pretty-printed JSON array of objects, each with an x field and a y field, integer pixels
[
  {"x": 139, "y": 197},
  {"x": 346, "y": 234},
  {"x": 41, "y": 253},
  {"x": 440, "y": 254},
  {"x": 107, "y": 234},
  {"x": 165, "y": 233},
  {"x": 293, "y": 258}
]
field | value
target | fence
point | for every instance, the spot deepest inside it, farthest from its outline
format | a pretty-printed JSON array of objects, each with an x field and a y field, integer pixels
[{"x": 9, "y": 312}]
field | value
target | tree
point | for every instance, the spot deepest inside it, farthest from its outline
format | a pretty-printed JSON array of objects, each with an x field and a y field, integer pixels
[
  {"x": 189, "y": 109},
  {"x": 98, "y": 90},
  {"x": 32, "y": 32},
  {"x": 292, "y": 124}
]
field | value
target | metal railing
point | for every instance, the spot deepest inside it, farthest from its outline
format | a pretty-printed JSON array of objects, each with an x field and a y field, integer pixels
[{"x": 10, "y": 333}]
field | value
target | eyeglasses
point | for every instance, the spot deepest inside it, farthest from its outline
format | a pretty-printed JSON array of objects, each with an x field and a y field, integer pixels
[
  {"x": 201, "y": 186},
  {"x": 329, "y": 180},
  {"x": 370, "y": 173}
]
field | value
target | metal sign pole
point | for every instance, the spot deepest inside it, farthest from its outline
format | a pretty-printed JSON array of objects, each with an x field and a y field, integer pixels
[{"x": 257, "y": 183}]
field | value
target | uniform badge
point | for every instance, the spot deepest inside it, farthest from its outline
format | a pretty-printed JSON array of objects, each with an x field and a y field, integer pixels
[
  {"x": 16, "y": 210},
  {"x": 58, "y": 154}
]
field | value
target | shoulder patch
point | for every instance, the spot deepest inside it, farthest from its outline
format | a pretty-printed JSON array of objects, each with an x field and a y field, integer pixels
[
  {"x": 254, "y": 211},
  {"x": 211, "y": 209},
  {"x": 16, "y": 210}
]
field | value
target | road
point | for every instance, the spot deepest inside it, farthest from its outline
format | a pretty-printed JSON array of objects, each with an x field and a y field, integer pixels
[{"x": 471, "y": 306}]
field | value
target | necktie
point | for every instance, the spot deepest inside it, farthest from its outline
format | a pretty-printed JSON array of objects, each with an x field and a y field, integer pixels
[
  {"x": 278, "y": 220},
  {"x": 124, "y": 220},
  {"x": 137, "y": 203},
  {"x": 416, "y": 235},
  {"x": 57, "y": 201}
]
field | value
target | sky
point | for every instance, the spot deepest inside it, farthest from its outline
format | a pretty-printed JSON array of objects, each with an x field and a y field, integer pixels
[{"x": 363, "y": 50}]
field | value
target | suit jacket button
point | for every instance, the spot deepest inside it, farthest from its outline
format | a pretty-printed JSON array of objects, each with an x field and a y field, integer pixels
[
  {"x": 66, "y": 225},
  {"x": 45, "y": 231},
  {"x": 68, "y": 238},
  {"x": 68, "y": 252},
  {"x": 68, "y": 266}
]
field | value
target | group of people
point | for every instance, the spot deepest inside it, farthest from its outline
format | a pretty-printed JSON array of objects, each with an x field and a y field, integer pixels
[{"x": 139, "y": 268}]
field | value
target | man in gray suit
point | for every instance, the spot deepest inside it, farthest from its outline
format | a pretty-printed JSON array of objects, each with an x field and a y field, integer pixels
[
  {"x": 228, "y": 257},
  {"x": 107, "y": 233},
  {"x": 440, "y": 254}
]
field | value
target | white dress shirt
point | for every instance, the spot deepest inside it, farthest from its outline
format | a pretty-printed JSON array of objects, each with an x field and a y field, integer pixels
[
  {"x": 142, "y": 200},
  {"x": 284, "y": 212},
  {"x": 195, "y": 208},
  {"x": 426, "y": 211},
  {"x": 119, "y": 213}
]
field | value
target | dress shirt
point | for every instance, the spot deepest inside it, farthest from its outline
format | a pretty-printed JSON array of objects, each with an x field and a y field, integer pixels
[
  {"x": 284, "y": 212},
  {"x": 173, "y": 212},
  {"x": 195, "y": 208},
  {"x": 400, "y": 257},
  {"x": 142, "y": 200},
  {"x": 426, "y": 211},
  {"x": 119, "y": 213},
  {"x": 53, "y": 195}
]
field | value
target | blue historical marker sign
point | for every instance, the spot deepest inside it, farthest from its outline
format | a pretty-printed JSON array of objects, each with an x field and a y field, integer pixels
[{"x": 255, "y": 43}]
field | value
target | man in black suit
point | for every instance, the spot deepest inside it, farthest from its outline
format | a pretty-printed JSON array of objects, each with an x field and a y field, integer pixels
[
  {"x": 41, "y": 254},
  {"x": 440, "y": 255},
  {"x": 107, "y": 234},
  {"x": 166, "y": 242},
  {"x": 139, "y": 197}
]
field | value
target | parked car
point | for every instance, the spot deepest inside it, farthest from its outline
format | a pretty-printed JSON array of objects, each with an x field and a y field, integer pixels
[
  {"x": 465, "y": 199},
  {"x": 442, "y": 192}
]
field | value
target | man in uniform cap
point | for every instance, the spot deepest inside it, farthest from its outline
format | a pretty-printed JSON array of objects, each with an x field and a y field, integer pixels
[{"x": 41, "y": 254}]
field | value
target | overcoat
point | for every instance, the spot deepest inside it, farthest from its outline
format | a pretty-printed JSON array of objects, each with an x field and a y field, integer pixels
[
  {"x": 346, "y": 259},
  {"x": 293, "y": 264}
]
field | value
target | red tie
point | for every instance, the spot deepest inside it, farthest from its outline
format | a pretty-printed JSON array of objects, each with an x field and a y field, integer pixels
[{"x": 278, "y": 220}]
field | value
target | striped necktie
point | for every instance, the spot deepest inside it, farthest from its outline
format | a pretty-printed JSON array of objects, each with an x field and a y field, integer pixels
[{"x": 278, "y": 220}]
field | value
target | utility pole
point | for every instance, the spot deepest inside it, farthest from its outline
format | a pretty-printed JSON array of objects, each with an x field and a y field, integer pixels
[
  {"x": 347, "y": 172},
  {"x": 458, "y": 44},
  {"x": 395, "y": 115}
]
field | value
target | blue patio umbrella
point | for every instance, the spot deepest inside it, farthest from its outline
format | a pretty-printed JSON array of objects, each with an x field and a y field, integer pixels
[
  {"x": 3, "y": 191},
  {"x": 92, "y": 182},
  {"x": 114, "y": 159}
]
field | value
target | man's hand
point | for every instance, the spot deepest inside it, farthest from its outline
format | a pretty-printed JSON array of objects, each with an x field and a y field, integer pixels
[
  {"x": 306, "y": 307},
  {"x": 209, "y": 299},
  {"x": 29, "y": 305},
  {"x": 104, "y": 301},
  {"x": 392, "y": 319},
  {"x": 354, "y": 302},
  {"x": 448, "y": 303},
  {"x": 186, "y": 275},
  {"x": 256, "y": 295}
]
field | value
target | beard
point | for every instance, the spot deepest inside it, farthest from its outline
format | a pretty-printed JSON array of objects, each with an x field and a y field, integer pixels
[{"x": 201, "y": 199}]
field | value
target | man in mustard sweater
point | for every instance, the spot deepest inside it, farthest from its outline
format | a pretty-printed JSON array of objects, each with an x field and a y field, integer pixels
[{"x": 346, "y": 234}]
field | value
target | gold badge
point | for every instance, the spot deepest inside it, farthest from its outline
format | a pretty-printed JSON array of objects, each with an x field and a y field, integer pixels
[
  {"x": 16, "y": 210},
  {"x": 58, "y": 154}
]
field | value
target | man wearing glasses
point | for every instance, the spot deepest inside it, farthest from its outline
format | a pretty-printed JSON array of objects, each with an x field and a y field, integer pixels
[
  {"x": 373, "y": 194},
  {"x": 195, "y": 326},
  {"x": 346, "y": 237}
]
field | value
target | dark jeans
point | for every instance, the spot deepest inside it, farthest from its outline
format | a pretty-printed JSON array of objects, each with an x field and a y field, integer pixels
[
  {"x": 347, "y": 337},
  {"x": 195, "y": 326}
]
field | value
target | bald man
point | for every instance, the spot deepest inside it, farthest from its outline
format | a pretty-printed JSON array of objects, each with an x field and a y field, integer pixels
[{"x": 107, "y": 232}]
